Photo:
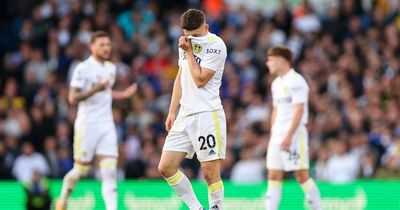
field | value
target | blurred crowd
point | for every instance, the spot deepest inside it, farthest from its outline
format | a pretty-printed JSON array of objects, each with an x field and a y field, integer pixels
[{"x": 348, "y": 50}]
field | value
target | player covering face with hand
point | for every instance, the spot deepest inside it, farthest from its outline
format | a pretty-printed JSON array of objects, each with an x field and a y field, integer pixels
[
  {"x": 94, "y": 129},
  {"x": 200, "y": 126},
  {"x": 288, "y": 145}
]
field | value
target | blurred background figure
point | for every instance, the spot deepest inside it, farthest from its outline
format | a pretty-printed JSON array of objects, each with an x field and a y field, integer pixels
[
  {"x": 28, "y": 162},
  {"x": 342, "y": 166},
  {"x": 37, "y": 192},
  {"x": 249, "y": 169}
]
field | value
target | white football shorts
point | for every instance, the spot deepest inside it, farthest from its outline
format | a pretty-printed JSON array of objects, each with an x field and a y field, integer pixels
[
  {"x": 296, "y": 158},
  {"x": 202, "y": 133},
  {"x": 92, "y": 139}
]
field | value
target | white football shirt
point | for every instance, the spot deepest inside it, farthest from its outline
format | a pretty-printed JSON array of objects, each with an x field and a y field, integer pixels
[
  {"x": 288, "y": 90},
  {"x": 210, "y": 52},
  {"x": 96, "y": 108}
]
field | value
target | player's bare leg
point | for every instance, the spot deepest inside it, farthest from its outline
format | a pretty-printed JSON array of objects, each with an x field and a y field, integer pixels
[
  {"x": 274, "y": 192},
  {"x": 108, "y": 174},
  {"x": 309, "y": 188},
  {"x": 212, "y": 174},
  {"x": 80, "y": 169},
  {"x": 169, "y": 169}
]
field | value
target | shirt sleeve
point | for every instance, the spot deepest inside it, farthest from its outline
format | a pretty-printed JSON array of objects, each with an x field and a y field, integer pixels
[
  {"x": 273, "y": 94},
  {"x": 181, "y": 54},
  {"x": 215, "y": 56},
  {"x": 78, "y": 77},
  {"x": 299, "y": 91},
  {"x": 113, "y": 74}
]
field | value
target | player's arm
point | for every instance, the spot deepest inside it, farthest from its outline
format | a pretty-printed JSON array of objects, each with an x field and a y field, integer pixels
[
  {"x": 299, "y": 93},
  {"x": 273, "y": 116},
  {"x": 176, "y": 96},
  {"x": 298, "y": 114},
  {"x": 200, "y": 75},
  {"x": 124, "y": 94},
  {"x": 176, "y": 93},
  {"x": 75, "y": 94},
  {"x": 79, "y": 80}
]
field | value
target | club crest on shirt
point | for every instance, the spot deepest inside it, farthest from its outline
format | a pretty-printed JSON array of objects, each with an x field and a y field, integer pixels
[
  {"x": 285, "y": 89},
  {"x": 197, "y": 48},
  {"x": 112, "y": 76}
]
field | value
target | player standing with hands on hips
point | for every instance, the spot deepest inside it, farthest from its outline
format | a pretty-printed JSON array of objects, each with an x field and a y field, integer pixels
[
  {"x": 94, "y": 130},
  {"x": 200, "y": 126},
  {"x": 288, "y": 145}
]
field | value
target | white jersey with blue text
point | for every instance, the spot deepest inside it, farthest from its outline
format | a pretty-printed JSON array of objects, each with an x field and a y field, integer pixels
[
  {"x": 210, "y": 52},
  {"x": 288, "y": 90},
  {"x": 96, "y": 108}
]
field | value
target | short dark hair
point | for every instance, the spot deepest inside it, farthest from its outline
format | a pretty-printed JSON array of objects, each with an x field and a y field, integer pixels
[
  {"x": 192, "y": 19},
  {"x": 98, "y": 34},
  {"x": 281, "y": 51}
]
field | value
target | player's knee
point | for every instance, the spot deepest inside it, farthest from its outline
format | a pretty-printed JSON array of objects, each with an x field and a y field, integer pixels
[
  {"x": 165, "y": 171},
  {"x": 209, "y": 174},
  {"x": 275, "y": 176},
  {"x": 108, "y": 168},
  {"x": 82, "y": 169},
  {"x": 108, "y": 164},
  {"x": 302, "y": 176}
]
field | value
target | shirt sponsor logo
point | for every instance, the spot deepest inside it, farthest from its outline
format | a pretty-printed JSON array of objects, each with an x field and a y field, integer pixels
[
  {"x": 213, "y": 51},
  {"x": 284, "y": 100}
]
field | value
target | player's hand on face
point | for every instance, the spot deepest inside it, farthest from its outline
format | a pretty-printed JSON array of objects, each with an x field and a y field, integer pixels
[
  {"x": 285, "y": 145},
  {"x": 170, "y": 121},
  {"x": 185, "y": 44},
  {"x": 129, "y": 91}
]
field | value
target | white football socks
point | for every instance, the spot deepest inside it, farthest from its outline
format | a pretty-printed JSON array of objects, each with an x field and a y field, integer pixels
[
  {"x": 274, "y": 193},
  {"x": 216, "y": 195},
  {"x": 108, "y": 172},
  {"x": 181, "y": 184},
  {"x": 313, "y": 196}
]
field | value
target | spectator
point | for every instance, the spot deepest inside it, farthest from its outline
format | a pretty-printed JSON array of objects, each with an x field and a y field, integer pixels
[
  {"x": 37, "y": 191},
  {"x": 29, "y": 162},
  {"x": 11, "y": 154},
  {"x": 321, "y": 165},
  {"x": 4, "y": 170},
  {"x": 248, "y": 169},
  {"x": 50, "y": 153},
  {"x": 342, "y": 166},
  {"x": 65, "y": 160},
  {"x": 391, "y": 162}
]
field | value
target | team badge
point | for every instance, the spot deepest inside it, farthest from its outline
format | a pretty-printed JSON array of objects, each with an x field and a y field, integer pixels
[
  {"x": 285, "y": 89},
  {"x": 197, "y": 48}
]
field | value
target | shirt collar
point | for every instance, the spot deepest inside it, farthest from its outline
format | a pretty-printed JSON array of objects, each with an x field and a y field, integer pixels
[
  {"x": 287, "y": 73},
  {"x": 93, "y": 60},
  {"x": 200, "y": 39}
]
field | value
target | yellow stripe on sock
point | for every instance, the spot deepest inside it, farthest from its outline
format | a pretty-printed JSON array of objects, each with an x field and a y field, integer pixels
[
  {"x": 306, "y": 186},
  {"x": 83, "y": 169},
  {"x": 217, "y": 131},
  {"x": 272, "y": 184},
  {"x": 217, "y": 186},
  {"x": 108, "y": 163},
  {"x": 302, "y": 151},
  {"x": 77, "y": 143},
  {"x": 175, "y": 179}
]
